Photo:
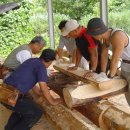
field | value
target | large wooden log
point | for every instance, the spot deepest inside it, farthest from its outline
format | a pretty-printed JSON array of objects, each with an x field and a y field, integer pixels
[
  {"x": 64, "y": 118},
  {"x": 82, "y": 94},
  {"x": 78, "y": 74},
  {"x": 93, "y": 110},
  {"x": 113, "y": 118}
]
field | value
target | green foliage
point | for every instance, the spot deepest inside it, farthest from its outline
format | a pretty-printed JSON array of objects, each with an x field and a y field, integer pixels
[
  {"x": 118, "y": 5},
  {"x": 15, "y": 28},
  {"x": 8, "y": 1},
  {"x": 75, "y": 9},
  {"x": 120, "y": 20},
  {"x": 19, "y": 26},
  {"x": 69, "y": 9},
  {"x": 118, "y": 13},
  {"x": 39, "y": 19}
]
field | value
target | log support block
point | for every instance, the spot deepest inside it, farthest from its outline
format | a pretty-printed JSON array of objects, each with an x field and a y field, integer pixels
[{"x": 113, "y": 117}]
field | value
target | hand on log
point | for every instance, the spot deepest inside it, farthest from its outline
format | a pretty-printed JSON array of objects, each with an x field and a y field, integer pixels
[
  {"x": 50, "y": 72},
  {"x": 88, "y": 74},
  {"x": 72, "y": 68},
  {"x": 101, "y": 77},
  {"x": 57, "y": 101}
]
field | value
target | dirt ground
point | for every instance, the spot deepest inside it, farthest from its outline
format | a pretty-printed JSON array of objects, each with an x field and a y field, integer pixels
[{"x": 42, "y": 124}]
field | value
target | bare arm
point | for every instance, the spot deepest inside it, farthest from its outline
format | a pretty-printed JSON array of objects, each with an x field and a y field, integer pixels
[
  {"x": 47, "y": 95},
  {"x": 78, "y": 57},
  {"x": 36, "y": 89},
  {"x": 93, "y": 58},
  {"x": 60, "y": 52},
  {"x": 74, "y": 56},
  {"x": 119, "y": 41},
  {"x": 104, "y": 58},
  {"x": 93, "y": 62}
]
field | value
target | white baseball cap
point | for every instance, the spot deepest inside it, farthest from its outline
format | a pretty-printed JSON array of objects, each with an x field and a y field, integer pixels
[{"x": 69, "y": 26}]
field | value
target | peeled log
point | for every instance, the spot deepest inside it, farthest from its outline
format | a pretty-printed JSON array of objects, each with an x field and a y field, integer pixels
[
  {"x": 78, "y": 74},
  {"x": 76, "y": 96}
]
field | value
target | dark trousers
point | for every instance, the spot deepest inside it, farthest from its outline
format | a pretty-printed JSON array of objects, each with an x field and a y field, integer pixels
[{"x": 25, "y": 114}]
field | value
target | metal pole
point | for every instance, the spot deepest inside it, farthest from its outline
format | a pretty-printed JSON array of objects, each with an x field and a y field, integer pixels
[
  {"x": 104, "y": 11},
  {"x": 51, "y": 25}
]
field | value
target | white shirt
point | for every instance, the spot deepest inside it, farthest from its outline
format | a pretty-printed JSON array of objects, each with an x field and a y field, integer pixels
[
  {"x": 23, "y": 56},
  {"x": 69, "y": 43}
]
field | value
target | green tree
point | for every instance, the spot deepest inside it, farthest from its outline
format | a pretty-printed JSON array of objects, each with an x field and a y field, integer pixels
[
  {"x": 15, "y": 28},
  {"x": 118, "y": 13},
  {"x": 75, "y": 9},
  {"x": 118, "y": 5},
  {"x": 8, "y": 1}
]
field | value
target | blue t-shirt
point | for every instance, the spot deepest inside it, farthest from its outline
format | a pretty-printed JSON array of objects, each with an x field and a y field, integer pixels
[{"x": 27, "y": 75}]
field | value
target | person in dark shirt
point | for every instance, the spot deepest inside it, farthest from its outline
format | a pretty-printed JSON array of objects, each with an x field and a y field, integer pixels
[
  {"x": 87, "y": 47},
  {"x": 26, "y": 113}
]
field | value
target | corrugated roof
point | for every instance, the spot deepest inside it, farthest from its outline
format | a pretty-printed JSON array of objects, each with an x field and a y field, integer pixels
[{"x": 7, "y": 7}]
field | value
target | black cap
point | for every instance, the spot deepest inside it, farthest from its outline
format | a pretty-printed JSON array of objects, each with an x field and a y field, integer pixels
[{"x": 96, "y": 27}]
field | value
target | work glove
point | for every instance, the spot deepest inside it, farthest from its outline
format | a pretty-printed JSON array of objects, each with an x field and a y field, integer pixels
[
  {"x": 101, "y": 77},
  {"x": 50, "y": 72}
]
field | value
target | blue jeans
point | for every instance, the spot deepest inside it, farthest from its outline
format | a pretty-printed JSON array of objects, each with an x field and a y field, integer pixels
[{"x": 25, "y": 114}]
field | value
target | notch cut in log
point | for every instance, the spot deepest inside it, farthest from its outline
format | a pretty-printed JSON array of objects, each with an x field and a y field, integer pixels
[
  {"x": 78, "y": 74},
  {"x": 75, "y": 96}
]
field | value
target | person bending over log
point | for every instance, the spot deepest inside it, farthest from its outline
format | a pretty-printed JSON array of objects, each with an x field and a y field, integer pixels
[
  {"x": 87, "y": 46},
  {"x": 118, "y": 42},
  {"x": 70, "y": 44},
  {"x": 26, "y": 112},
  {"x": 21, "y": 54}
]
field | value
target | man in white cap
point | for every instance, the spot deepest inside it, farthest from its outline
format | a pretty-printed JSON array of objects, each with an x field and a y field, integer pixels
[
  {"x": 67, "y": 42},
  {"x": 70, "y": 44},
  {"x": 87, "y": 47}
]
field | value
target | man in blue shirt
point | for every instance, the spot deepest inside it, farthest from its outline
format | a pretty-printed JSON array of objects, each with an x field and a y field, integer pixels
[{"x": 26, "y": 113}]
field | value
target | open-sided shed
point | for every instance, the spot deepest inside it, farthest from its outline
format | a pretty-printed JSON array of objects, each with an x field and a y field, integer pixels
[
  {"x": 103, "y": 15},
  {"x": 7, "y": 7}
]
